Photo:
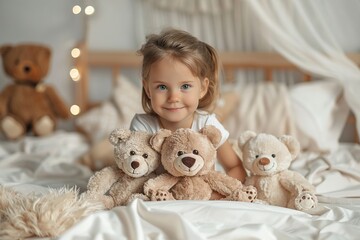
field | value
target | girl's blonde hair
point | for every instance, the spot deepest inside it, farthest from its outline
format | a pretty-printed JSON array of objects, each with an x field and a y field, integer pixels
[{"x": 199, "y": 57}]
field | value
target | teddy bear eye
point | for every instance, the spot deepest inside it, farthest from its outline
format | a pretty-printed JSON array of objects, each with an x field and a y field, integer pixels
[
  {"x": 180, "y": 153},
  {"x": 132, "y": 153},
  {"x": 256, "y": 156},
  {"x": 196, "y": 152},
  {"x": 145, "y": 155},
  {"x": 273, "y": 155}
]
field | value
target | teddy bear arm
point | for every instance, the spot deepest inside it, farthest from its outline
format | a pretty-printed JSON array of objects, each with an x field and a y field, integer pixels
[
  {"x": 102, "y": 180},
  {"x": 4, "y": 99},
  {"x": 222, "y": 183},
  {"x": 231, "y": 188},
  {"x": 250, "y": 180},
  {"x": 163, "y": 182},
  {"x": 295, "y": 183},
  {"x": 123, "y": 190},
  {"x": 58, "y": 104}
]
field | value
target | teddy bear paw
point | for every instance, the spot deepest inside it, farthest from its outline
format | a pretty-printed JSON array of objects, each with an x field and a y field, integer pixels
[
  {"x": 44, "y": 126},
  {"x": 161, "y": 195},
  {"x": 247, "y": 194},
  {"x": 12, "y": 128},
  {"x": 250, "y": 193},
  {"x": 305, "y": 201}
]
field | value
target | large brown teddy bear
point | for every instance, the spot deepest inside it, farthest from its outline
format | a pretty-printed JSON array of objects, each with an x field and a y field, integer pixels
[
  {"x": 189, "y": 159},
  {"x": 27, "y": 104},
  {"x": 268, "y": 159},
  {"x": 135, "y": 163}
]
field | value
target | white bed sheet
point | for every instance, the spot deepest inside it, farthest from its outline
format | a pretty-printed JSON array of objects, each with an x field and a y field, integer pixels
[
  {"x": 35, "y": 164},
  {"x": 216, "y": 220}
]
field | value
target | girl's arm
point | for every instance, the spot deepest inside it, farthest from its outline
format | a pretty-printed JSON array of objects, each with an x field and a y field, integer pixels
[{"x": 231, "y": 162}]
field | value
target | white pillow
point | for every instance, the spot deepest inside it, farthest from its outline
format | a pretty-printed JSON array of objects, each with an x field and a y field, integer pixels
[
  {"x": 320, "y": 113},
  {"x": 127, "y": 99},
  {"x": 116, "y": 112},
  {"x": 262, "y": 107}
]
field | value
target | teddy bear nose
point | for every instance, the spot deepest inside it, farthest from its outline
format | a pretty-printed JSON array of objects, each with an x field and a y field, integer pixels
[
  {"x": 264, "y": 161},
  {"x": 135, "y": 164},
  {"x": 188, "y": 161},
  {"x": 27, "y": 69}
]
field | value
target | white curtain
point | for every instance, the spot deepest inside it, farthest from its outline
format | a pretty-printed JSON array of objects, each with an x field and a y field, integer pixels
[
  {"x": 227, "y": 25},
  {"x": 309, "y": 44},
  {"x": 299, "y": 30}
]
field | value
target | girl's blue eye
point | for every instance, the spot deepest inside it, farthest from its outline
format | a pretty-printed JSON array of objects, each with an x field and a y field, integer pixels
[
  {"x": 162, "y": 87},
  {"x": 185, "y": 86}
]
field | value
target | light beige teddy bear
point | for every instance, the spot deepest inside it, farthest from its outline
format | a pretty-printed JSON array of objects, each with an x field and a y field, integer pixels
[
  {"x": 268, "y": 159},
  {"x": 135, "y": 161},
  {"x": 189, "y": 158}
]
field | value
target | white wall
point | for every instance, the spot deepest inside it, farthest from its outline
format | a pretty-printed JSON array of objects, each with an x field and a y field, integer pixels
[{"x": 49, "y": 22}]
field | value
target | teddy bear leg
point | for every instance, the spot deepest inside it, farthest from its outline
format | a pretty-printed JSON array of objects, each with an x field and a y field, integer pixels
[
  {"x": 305, "y": 201},
  {"x": 12, "y": 128},
  {"x": 161, "y": 195},
  {"x": 246, "y": 194},
  {"x": 44, "y": 126},
  {"x": 137, "y": 196},
  {"x": 106, "y": 200}
]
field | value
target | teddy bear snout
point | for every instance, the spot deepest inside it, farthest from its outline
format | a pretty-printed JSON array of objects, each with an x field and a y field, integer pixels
[
  {"x": 135, "y": 164},
  {"x": 264, "y": 161},
  {"x": 27, "y": 69},
  {"x": 188, "y": 161}
]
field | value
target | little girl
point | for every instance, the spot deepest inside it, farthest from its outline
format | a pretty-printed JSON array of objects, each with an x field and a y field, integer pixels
[{"x": 180, "y": 82}]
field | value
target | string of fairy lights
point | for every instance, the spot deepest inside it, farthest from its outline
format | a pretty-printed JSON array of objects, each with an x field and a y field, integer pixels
[{"x": 76, "y": 52}]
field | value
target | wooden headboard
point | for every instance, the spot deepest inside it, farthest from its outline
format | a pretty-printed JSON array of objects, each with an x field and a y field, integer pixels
[{"x": 116, "y": 61}]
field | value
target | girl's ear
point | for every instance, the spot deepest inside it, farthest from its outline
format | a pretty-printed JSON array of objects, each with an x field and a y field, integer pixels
[{"x": 204, "y": 87}]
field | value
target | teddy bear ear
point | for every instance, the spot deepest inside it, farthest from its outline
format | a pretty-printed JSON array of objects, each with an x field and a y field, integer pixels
[
  {"x": 47, "y": 52},
  {"x": 245, "y": 137},
  {"x": 292, "y": 144},
  {"x": 157, "y": 139},
  {"x": 213, "y": 134},
  {"x": 119, "y": 135},
  {"x": 5, "y": 49}
]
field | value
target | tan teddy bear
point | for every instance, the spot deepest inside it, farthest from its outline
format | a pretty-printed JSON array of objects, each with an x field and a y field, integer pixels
[
  {"x": 135, "y": 163},
  {"x": 268, "y": 159},
  {"x": 27, "y": 104},
  {"x": 189, "y": 159}
]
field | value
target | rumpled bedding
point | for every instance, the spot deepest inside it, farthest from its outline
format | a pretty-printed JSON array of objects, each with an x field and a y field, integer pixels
[
  {"x": 37, "y": 164},
  {"x": 40, "y": 163}
]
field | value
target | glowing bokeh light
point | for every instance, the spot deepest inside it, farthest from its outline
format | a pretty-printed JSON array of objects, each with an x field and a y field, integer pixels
[
  {"x": 76, "y": 9},
  {"x": 74, "y": 74},
  {"x": 89, "y": 10},
  {"x": 75, "y": 52},
  {"x": 75, "y": 109}
]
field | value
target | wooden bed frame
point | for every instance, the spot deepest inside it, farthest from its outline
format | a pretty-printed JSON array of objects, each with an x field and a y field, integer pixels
[{"x": 116, "y": 61}]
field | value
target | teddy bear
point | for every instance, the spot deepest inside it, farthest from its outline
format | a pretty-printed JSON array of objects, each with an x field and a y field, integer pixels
[
  {"x": 136, "y": 162},
  {"x": 188, "y": 158},
  {"x": 27, "y": 104},
  {"x": 268, "y": 158}
]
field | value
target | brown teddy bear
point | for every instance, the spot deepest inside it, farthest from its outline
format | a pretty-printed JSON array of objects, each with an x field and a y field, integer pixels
[
  {"x": 189, "y": 159},
  {"x": 136, "y": 161},
  {"x": 27, "y": 104},
  {"x": 268, "y": 158}
]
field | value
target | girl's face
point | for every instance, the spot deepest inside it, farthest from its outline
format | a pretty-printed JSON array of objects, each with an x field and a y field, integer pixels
[{"x": 174, "y": 92}]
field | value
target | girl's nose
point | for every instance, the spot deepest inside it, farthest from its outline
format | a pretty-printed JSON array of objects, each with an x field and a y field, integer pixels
[{"x": 174, "y": 96}]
